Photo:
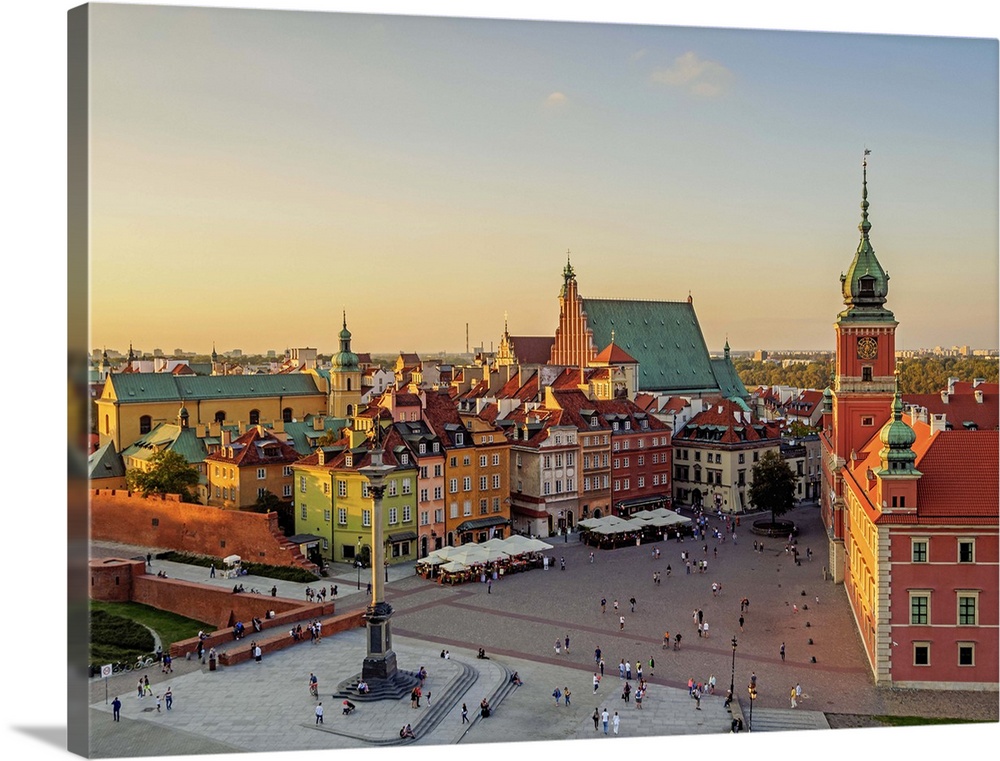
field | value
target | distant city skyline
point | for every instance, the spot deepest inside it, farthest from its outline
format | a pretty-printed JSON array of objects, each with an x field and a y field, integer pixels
[{"x": 256, "y": 173}]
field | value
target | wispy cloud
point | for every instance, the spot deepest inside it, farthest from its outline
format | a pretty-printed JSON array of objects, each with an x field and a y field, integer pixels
[
  {"x": 641, "y": 53},
  {"x": 696, "y": 75},
  {"x": 556, "y": 99}
]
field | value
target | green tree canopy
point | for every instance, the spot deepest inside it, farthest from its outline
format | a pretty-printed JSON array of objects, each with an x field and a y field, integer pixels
[
  {"x": 267, "y": 502},
  {"x": 170, "y": 474},
  {"x": 773, "y": 486}
]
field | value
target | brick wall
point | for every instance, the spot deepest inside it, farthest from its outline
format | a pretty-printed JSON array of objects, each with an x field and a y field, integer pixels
[
  {"x": 111, "y": 578},
  {"x": 269, "y": 644},
  {"x": 166, "y": 522}
]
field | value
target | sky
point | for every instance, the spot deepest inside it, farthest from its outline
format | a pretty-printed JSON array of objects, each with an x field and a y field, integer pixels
[{"x": 254, "y": 174}]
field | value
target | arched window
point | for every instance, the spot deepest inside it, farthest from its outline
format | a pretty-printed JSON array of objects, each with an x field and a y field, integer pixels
[
  {"x": 348, "y": 384},
  {"x": 286, "y": 415},
  {"x": 145, "y": 424},
  {"x": 254, "y": 417},
  {"x": 220, "y": 416},
  {"x": 350, "y": 410},
  {"x": 107, "y": 424}
]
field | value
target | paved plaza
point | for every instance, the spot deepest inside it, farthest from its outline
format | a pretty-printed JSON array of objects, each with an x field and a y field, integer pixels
[{"x": 267, "y": 706}]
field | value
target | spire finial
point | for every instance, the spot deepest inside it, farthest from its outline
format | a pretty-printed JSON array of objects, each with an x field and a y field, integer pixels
[
  {"x": 345, "y": 318},
  {"x": 865, "y": 225},
  {"x": 612, "y": 335}
]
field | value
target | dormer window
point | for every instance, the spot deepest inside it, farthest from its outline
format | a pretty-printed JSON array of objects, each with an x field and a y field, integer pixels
[
  {"x": 434, "y": 447},
  {"x": 459, "y": 439},
  {"x": 423, "y": 447},
  {"x": 866, "y": 286},
  {"x": 404, "y": 459},
  {"x": 593, "y": 421},
  {"x": 349, "y": 460}
]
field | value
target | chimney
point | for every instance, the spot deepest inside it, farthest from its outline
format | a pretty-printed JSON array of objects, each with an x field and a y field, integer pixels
[
  {"x": 317, "y": 423},
  {"x": 979, "y": 395},
  {"x": 938, "y": 422},
  {"x": 977, "y": 381},
  {"x": 944, "y": 394},
  {"x": 227, "y": 437},
  {"x": 951, "y": 385},
  {"x": 278, "y": 426}
]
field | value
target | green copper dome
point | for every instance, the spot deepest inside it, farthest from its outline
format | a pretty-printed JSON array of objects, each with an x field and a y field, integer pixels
[
  {"x": 865, "y": 285},
  {"x": 897, "y": 439},
  {"x": 345, "y": 359}
]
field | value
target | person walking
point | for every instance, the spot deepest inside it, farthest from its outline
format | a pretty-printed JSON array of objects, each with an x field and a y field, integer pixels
[
  {"x": 602, "y": 667},
  {"x": 631, "y": 601},
  {"x": 621, "y": 623},
  {"x": 697, "y": 699},
  {"x": 256, "y": 653},
  {"x": 489, "y": 586},
  {"x": 604, "y": 605},
  {"x": 604, "y": 720},
  {"x": 596, "y": 716},
  {"x": 616, "y": 722},
  {"x": 798, "y": 691},
  {"x": 558, "y": 647},
  {"x": 168, "y": 699},
  {"x": 566, "y": 642},
  {"x": 628, "y": 669},
  {"x": 597, "y": 655},
  {"x": 557, "y": 693},
  {"x": 211, "y": 571},
  {"x": 465, "y": 714},
  {"x": 782, "y": 651},
  {"x": 319, "y": 713},
  {"x": 741, "y": 622},
  {"x": 597, "y": 681},
  {"x": 565, "y": 695},
  {"x": 116, "y": 709},
  {"x": 792, "y": 696}
]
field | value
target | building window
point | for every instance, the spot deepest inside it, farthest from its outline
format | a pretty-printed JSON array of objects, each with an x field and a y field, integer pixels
[
  {"x": 439, "y": 516},
  {"x": 966, "y": 654},
  {"x": 452, "y": 485},
  {"x": 920, "y": 605},
  {"x": 423, "y": 495},
  {"x": 496, "y": 504},
  {"x": 967, "y": 609},
  {"x": 741, "y": 458},
  {"x": 546, "y": 488},
  {"x": 921, "y": 653},
  {"x": 467, "y": 508},
  {"x": 425, "y": 518},
  {"x": 341, "y": 488},
  {"x": 966, "y": 551},
  {"x": 287, "y": 470},
  {"x": 919, "y": 550},
  {"x": 326, "y": 515},
  {"x": 393, "y": 516},
  {"x": 261, "y": 491},
  {"x": 496, "y": 481},
  {"x": 866, "y": 373},
  {"x": 484, "y": 506},
  {"x": 569, "y": 459},
  {"x": 220, "y": 416},
  {"x": 254, "y": 417},
  {"x": 302, "y": 484},
  {"x": 496, "y": 459},
  {"x": 304, "y": 512},
  {"x": 392, "y": 488},
  {"x": 145, "y": 424},
  {"x": 366, "y": 490},
  {"x": 482, "y": 483},
  {"x": 342, "y": 516},
  {"x": 261, "y": 474},
  {"x": 366, "y": 518},
  {"x": 438, "y": 492},
  {"x": 422, "y": 448},
  {"x": 406, "y": 486},
  {"x": 454, "y": 509},
  {"x": 868, "y": 420},
  {"x": 406, "y": 514},
  {"x": 286, "y": 490},
  {"x": 642, "y": 481},
  {"x": 437, "y": 471},
  {"x": 466, "y": 460},
  {"x": 467, "y": 483},
  {"x": 482, "y": 461}
]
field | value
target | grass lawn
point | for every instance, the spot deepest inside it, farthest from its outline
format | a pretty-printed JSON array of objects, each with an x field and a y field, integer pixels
[{"x": 169, "y": 626}]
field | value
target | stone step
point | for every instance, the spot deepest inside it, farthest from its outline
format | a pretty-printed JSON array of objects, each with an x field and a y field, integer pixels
[{"x": 787, "y": 720}]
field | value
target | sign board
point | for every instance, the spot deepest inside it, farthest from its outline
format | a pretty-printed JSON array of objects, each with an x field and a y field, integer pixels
[{"x": 106, "y": 670}]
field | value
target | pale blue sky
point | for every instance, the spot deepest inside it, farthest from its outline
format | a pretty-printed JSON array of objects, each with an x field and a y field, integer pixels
[{"x": 422, "y": 173}]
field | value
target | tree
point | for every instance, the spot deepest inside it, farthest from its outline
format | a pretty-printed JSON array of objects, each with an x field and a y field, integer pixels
[
  {"x": 773, "y": 486},
  {"x": 267, "y": 502},
  {"x": 170, "y": 474}
]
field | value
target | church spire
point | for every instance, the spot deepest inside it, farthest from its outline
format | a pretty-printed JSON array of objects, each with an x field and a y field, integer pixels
[
  {"x": 568, "y": 275},
  {"x": 865, "y": 285}
]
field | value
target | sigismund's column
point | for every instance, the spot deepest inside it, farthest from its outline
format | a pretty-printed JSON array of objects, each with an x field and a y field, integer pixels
[{"x": 380, "y": 663}]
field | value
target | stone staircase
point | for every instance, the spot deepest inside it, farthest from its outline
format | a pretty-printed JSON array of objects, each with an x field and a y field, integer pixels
[{"x": 787, "y": 720}]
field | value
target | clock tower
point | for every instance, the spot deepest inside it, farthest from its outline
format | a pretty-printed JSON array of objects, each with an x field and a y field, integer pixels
[{"x": 864, "y": 381}]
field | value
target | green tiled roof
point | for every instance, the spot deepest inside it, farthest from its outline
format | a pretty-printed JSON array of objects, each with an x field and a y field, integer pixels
[
  {"x": 664, "y": 336},
  {"x": 170, "y": 436},
  {"x": 728, "y": 379},
  {"x": 106, "y": 463},
  {"x": 301, "y": 435},
  {"x": 163, "y": 387}
]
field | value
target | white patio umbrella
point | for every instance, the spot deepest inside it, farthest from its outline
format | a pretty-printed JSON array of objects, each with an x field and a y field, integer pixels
[{"x": 451, "y": 566}]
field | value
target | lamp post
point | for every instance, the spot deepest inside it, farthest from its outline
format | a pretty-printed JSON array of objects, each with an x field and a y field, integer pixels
[
  {"x": 732, "y": 674},
  {"x": 357, "y": 562}
]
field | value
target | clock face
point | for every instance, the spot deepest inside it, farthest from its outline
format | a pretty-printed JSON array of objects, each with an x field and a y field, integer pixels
[{"x": 867, "y": 348}]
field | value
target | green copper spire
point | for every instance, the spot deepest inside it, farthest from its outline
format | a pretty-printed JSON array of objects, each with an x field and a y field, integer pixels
[
  {"x": 866, "y": 284},
  {"x": 897, "y": 455},
  {"x": 568, "y": 275},
  {"x": 345, "y": 359}
]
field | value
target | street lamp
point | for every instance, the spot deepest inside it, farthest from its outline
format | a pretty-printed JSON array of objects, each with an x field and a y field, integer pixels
[
  {"x": 357, "y": 562},
  {"x": 752, "y": 689},
  {"x": 732, "y": 674}
]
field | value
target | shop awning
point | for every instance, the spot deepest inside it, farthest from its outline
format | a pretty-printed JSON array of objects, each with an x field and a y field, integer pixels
[
  {"x": 402, "y": 536},
  {"x": 480, "y": 523}
]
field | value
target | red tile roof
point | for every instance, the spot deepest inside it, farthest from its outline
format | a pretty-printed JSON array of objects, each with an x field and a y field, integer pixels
[
  {"x": 962, "y": 406},
  {"x": 532, "y": 350},
  {"x": 248, "y": 450},
  {"x": 731, "y": 422},
  {"x": 612, "y": 354},
  {"x": 959, "y": 473}
]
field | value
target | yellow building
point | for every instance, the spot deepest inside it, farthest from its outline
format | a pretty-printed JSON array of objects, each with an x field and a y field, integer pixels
[
  {"x": 242, "y": 470},
  {"x": 132, "y": 404}
]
